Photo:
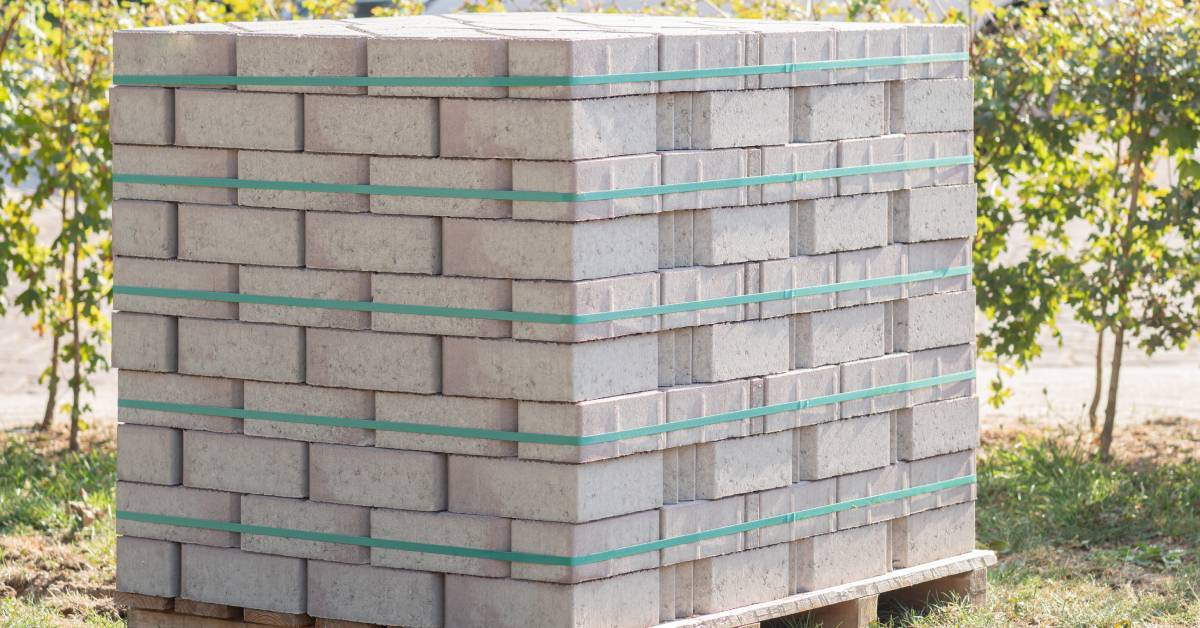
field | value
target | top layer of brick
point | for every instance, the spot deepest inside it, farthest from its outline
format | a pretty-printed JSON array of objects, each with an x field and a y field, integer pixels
[{"x": 533, "y": 44}]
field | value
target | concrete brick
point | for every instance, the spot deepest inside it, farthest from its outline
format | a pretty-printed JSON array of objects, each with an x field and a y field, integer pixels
[
  {"x": 680, "y": 49},
  {"x": 171, "y": 388},
  {"x": 685, "y": 285},
  {"x": 536, "y": 371},
  {"x": 931, "y": 106},
  {"x": 328, "y": 50},
  {"x": 461, "y": 292},
  {"x": 729, "y": 119},
  {"x": 700, "y": 516},
  {"x": 805, "y": 157},
  {"x": 181, "y": 49},
  {"x": 689, "y": 402},
  {"x": 728, "y": 235},
  {"x": 933, "y": 535},
  {"x": 933, "y": 213},
  {"x": 237, "y": 578},
  {"x": 372, "y": 126},
  {"x": 924, "y": 256},
  {"x": 241, "y": 235},
  {"x": 884, "y": 261},
  {"x": 369, "y": 360},
  {"x": 543, "y": 250},
  {"x": 245, "y": 464},
  {"x": 868, "y": 484},
  {"x": 547, "y": 129},
  {"x": 301, "y": 514},
  {"x": 173, "y": 161},
  {"x": 798, "y": 272},
  {"x": 742, "y": 465},
  {"x": 838, "y": 112},
  {"x": 484, "y": 174},
  {"x": 591, "y": 175},
  {"x": 568, "y": 539},
  {"x": 942, "y": 427},
  {"x": 271, "y": 353},
  {"x": 920, "y": 39},
  {"x": 842, "y": 335},
  {"x": 472, "y": 601},
  {"x": 141, "y": 115},
  {"x": 489, "y": 414},
  {"x": 218, "y": 118},
  {"x": 132, "y": 271},
  {"x": 936, "y": 469},
  {"x": 591, "y": 417},
  {"x": 827, "y": 225},
  {"x": 745, "y": 349},
  {"x": 794, "y": 386},
  {"x": 147, "y": 567},
  {"x": 796, "y": 497},
  {"x": 366, "y": 476},
  {"x": 443, "y": 528},
  {"x": 858, "y": 40},
  {"x": 734, "y": 580},
  {"x": 873, "y": 150},
  {"x": 549, "y": 53},
  {"x": 675, "y": 235},
  {"x": 151, "y": 455},
  {"x": 690, "y": 166},
  {"x": 180, "y": 502},
  {"x": 307, "y": 168},
  {"x": 840, "y": 557},
  {"x": 144, "y": 229},
  {"x": 390, "y": 244},
  {"x": 934, "y": 145},
  {"x": 943, "y": 361},
  {"x": 936, "y": 320},
  {"x": 312, "y": 401},
  {"x": 679, "y": 474},
  {"x": 585, "y": 297},
  {"x": 893, "y": 368},
  {"x": 839, "y": 447},
  {"x": 309, "y": 284},
  {"x": 404, "y": 50},
  {"x": 529, "y": 489},
  {"x": 675, "y": 357},
  {"x": 374, "y": 594},
  {"x": 144, "y": 342}
]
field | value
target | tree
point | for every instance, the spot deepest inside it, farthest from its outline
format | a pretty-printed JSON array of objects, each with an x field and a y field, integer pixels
[{"x": 1088, "y": 122}]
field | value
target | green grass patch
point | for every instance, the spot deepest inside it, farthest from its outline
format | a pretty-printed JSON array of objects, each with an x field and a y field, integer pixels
[{"x": 46, "y": 490}]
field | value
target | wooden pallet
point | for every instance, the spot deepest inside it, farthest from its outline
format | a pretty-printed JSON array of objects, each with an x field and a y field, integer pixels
[
  {"x": 853, "y": 605},
  {"x": 856, "y": 605}
]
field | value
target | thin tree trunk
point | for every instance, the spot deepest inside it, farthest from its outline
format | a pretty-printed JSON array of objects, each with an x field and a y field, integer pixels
[
  {"x": 76, "y": 382},
  {"x": 1098, "y": 386},
  {"x": 51, "y": 386},
  {"x": 1110, "y": 411}
]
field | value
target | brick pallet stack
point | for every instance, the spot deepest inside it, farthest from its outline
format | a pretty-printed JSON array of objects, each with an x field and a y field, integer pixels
[{"x": 325, "y": 399}]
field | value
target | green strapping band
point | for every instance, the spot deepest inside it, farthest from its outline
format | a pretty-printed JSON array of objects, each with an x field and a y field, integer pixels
[
  {"x": 541, "y": 317},
  {"x": 541, "y": 196},
  {"x": 542, "y": 559},
  {"x": 544, "y": 438},
  {"x": 537, "y": 81}
]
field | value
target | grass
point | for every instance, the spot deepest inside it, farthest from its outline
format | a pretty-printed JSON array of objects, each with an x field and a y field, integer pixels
[{"x": 1081, "y": 543}]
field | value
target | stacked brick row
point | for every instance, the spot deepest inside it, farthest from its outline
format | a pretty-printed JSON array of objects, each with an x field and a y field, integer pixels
[{"x": 556, "y": 257}]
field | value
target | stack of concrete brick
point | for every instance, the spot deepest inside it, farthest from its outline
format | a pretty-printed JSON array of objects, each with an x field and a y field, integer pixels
[{"x": 191, "y": 461}]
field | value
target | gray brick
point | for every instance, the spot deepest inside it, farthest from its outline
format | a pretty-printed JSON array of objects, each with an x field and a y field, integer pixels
[
  {"x": 798, "y": 272},
  {"x": 570, "y": 539},
  {"x": 937, "y": 469},
  {"x": 733, "y": 580},
  {"x": 933, "y": 213},
  {"x": 485, "y": 174},
  {"x": 804, "y": 157},
  {"x": 741, "y": 234},
  {"x": 796, "y": 385},
  {"x": 549, "y": 53},
  {"x": 591, "y": 417},
  {"x": 173, "y": 161},
  {"x": 237, "y": 578},
  {"x": 585, "y": 297},
  {"x": 893, "y": 368},
  {"x": 689, "y": 402},
  {"x": 327, "y": 50},
  {"x": 390, "y": 244},
  {"x": 141, "y": 115},
  {"x": 943, "y": 361},
  {"x": 745, "y": 349},
  {"x": 181, "y": 49},
  {"x": 841, "y": 223},
  {"x": 796, "y": 497},
  {"x": 144, "y": 228},
  {"x": 838, "y": 112},
  {"x": 218, "y": 118},
  {"x": 690, "y": 166},
  {"x": 144, "y": 342},
  {"x": 313, "y": 401},
  {"x": 684, "y": 285},
  {"x": 868, "y": 484},
  {"x": 363, "y": 359},
  {"x": 308, "y": 168},
  {"x": 922, "y": 39},
  {"x": 147, "y": 567},
  {"x": 241, "y": 350},
  {"x": 923, "y": 256},
  {"x": 366, "y": 476},
  {"x": 374, "y": 594},
  {"x": 309, "y": 284},
  {"x": 884, "y": 261},
  {"x": 241, "y": 235},
  {"x": 935, "y": 321},
  {"x": 842, "y": 335},
  {"x": 942, "y": 427},
  {"x": 933, "y": 535},
  {"x": 728, "y": 119},
  {"x": 935, "y": 145},
  {"x": 152, "y": 455},
  {"x": 836, "y": 448},
  {"x": 372, "y": 126},
  {"x": 932, "y": 105},
  {"x": 592, "y": 175},
  {"x": 742, "y": 465},
  {"x": 176, "y": 275},
  {"x": 840, "y": 557},
  {"x": 490, "y": 414},
  {"x": 499, "y": 603},
  {"x": 857, "y": 40},
  {"x": 244, "y": 464},
  {"x": 402, "y": 49},
  {"x": 171, "y": 388},
  {"x": 874, "y": 150},
  {"x": 700, "y": 516},
  {"x": 301, "y": 514},
  {"x": 443, "y": 528},
  {"x": 177, "y": 501}
]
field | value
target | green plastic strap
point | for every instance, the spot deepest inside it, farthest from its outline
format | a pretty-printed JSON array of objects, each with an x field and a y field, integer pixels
[
  {"x": 542, "y": 559},
  {"x": 539, "y": 196},
  {"x": 544, "y": 438},
  {"x": 541, "y": 317},
  {"x": 537, "y": 81}
]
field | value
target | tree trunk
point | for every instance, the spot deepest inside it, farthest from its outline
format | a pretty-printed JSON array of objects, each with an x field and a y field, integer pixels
[
  {"x": 76, "y": 381},
  {"x": 52, "y": 385},
  {"x": 1098, "y": 386},
  {"x": 1110, "y": 411}
]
